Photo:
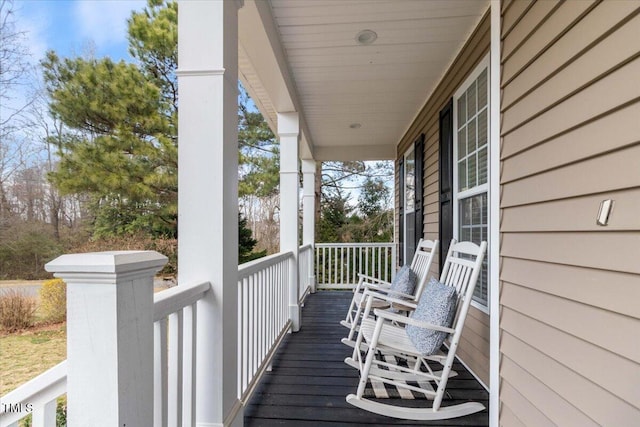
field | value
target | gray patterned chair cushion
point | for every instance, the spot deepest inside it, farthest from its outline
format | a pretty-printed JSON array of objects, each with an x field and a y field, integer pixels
[
  {"x": 437, "y": 306},
  {"x": 405, "y": 281}
]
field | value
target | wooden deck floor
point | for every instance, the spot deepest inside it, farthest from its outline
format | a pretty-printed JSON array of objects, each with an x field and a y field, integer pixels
[{"x": 309, "y": 380}]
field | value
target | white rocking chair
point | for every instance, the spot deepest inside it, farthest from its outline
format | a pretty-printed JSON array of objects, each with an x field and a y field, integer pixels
[
  {"x": 382, "y": 290},
  {"x": 461, "y": 271}
]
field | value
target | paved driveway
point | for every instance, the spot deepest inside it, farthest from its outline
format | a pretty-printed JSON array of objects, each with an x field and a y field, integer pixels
[{"x": 29, "y": 287}]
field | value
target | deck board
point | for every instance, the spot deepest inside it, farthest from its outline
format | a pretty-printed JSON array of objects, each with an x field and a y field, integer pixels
[{"x": 309, "y": 380}]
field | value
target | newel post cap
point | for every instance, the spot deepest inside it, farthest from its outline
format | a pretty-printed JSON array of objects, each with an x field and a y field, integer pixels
[{"x": 110, "y": 262}]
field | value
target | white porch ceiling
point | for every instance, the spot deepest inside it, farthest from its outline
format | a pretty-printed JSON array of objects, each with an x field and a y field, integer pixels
[{"x": 302, "y": 55}]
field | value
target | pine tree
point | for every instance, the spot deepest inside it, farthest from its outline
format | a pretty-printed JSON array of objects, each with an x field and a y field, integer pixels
[
  {"x": 246, "y": 243},
  {"x": 122, "y": 145}
]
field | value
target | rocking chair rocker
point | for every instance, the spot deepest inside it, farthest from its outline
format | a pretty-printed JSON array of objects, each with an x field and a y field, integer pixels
[{"x": 440, "y": 313}]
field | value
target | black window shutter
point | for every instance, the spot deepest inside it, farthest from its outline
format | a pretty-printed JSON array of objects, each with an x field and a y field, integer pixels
[
  {"x": 445, "y": 179},
  {"x": 401, "y": 211},
  {"x": 418, "y": 149}
]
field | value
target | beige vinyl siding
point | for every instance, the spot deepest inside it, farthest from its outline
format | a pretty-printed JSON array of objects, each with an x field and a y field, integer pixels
[
  {"x": 570, "y": 289},
  {"x": 474, "y": 345}
]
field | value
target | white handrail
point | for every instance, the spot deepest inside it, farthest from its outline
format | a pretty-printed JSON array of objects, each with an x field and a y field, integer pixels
[
  {"x": 37, "y": 396},
  {"x": 176, "y": 298},
  {"x": 249, "y": 268},
  {"x": 356, "y": 245},
  {"x": 306, "y": 247}
]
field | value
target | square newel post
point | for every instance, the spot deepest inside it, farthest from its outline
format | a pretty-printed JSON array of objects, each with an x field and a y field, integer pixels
[
  {"x": 109, "y": 336},
  {"x": 289, "y": 134},
  {"x": 309, "y": 214}
]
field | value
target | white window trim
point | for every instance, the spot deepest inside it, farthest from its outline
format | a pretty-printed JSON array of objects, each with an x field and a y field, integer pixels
[{"x": 484, "y": 188}]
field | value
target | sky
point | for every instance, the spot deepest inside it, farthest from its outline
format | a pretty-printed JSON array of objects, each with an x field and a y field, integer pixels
[{"x": 71, "y": 26}]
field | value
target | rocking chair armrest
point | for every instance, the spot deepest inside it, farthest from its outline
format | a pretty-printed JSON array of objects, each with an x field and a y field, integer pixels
[
  {"x": 392, "y": 297},
  {"x": 387, "y": 315},
  {"x": 364, "y": 281},
  {"x": 363, "y": 278},
  {"x": 383, "y": 286},
  {"x": 408, "y": 298}
]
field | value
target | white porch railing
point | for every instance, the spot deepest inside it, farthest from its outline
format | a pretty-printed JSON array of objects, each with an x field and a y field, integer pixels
[
  {"x": 338, "y": 264},
  {"x": 263, "y": 316},
  {"x": 263, "y": 321},
  {"x": 175, "y": 316}
]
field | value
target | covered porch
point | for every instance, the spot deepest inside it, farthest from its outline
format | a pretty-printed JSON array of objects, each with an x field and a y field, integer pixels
[
  {"x": 222, "y": 339},
  {"x": 373, "y": 80},
  {"x": 336, "y": 81}
]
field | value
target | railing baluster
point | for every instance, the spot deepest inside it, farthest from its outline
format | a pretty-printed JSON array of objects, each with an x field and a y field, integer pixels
[
  {"x": 189, "y": 365},
  {"x": 175, "y": 369},
  {"x": 332, "y": 267},
  {"x": 386, "y": 265},
  {"x": 352, "y": 263},
  {"x": 342, "y": 251},
  {"x": 360, "y": 260},
  {"x": 45, "y": 415},
  {"x": 320, "y": 263},
  {"x": 324, "y": 266},
  {"x": 262, "y": 315},
  {"x": 251, "y": 326},
  {"x": 366, "y": 265},
  {"x": 160, "y": 372}
]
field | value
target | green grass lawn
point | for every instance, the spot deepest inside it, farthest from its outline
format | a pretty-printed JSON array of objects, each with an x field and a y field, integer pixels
[
  {"x": 24, "y": 355},
  {"x": 28, "y": 353}
]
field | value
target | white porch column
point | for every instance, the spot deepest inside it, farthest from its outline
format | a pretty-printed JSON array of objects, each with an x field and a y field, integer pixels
[
  {"x": 208, "y": 197},
  {"x": 289, "y": 135},
  {"x": 109, "y": 336},
  {"x": 309, "y": 213}
]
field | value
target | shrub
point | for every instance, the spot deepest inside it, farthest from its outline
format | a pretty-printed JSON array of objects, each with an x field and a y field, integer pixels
[
  {"x": 16, "y": 310},
  {"x": 53, "y": 300},
  {"x": 24, "y": 250}
]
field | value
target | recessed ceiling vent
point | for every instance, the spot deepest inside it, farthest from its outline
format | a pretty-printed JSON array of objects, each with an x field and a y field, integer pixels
[{"x": 366, "y": 37}]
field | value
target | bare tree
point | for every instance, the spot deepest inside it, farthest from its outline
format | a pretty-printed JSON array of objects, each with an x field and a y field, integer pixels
[
  {"x": 15, "y": 73},
  {"x": 49, "y": 130}
]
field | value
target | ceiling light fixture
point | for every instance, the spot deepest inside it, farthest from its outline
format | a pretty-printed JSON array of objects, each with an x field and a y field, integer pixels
[{"x": 366, "y": 37}]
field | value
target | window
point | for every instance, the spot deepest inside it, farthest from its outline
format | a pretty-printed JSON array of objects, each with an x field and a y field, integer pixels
[
  {"x": 410, "y": 204},
  {"x": 410, "y": 181},
  {"x": 471, "y": 167}
]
